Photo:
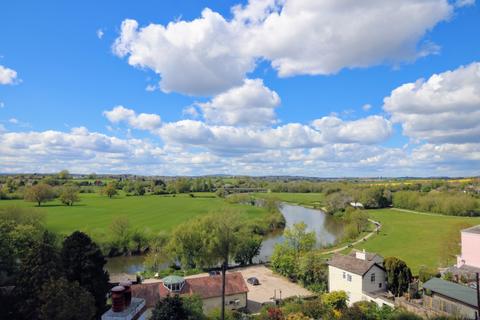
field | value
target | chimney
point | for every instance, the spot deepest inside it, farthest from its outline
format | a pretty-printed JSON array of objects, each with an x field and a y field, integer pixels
[
  {"x": 127, "y": 293},
  {"x": 361, "y": 255},
  {"x": 118, "y": 298}
]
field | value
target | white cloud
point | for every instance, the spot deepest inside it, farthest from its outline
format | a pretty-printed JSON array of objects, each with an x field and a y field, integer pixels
[
  {"x": 443, "y": 109},
  {"x": 13, "y": 121},
  {"x": 370, "y": 130},
  {"x": 227, "y": 140},
  {"x": 464, "y": 3},
  {"x": 323, "y": 37},
  {"x": 251, "y": 104},
  {"x": 100, "y": 34},
  {"x": 210, "y": 54},
  {"x": 200, "y": 57},
  {"x": 2, "y": 104},
  {"x": 142, "y": 121},
  {"x": 7, "y": 76},
  {"x": 366, "y": 107},
  {"x": 151, "y": 88}
]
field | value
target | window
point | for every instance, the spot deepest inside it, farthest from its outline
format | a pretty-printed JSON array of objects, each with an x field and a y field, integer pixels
[
  {"x": 372, "y": 277},
  {"x": 380, "y": 285},
  {"x": 349, "y": 277},
  {"x": 344, "y": 275}
]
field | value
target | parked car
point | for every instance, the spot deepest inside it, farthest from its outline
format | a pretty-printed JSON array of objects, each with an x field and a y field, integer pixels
[
  {"x": 214, "y": 273},
  {"x": 253, "y": 281}
]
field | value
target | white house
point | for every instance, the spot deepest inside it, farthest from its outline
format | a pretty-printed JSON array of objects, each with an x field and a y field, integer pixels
[{"x": 361, "y": 275}]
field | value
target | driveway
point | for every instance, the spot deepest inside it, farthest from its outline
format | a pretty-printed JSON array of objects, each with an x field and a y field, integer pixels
[{"x": 271, "y": 286}]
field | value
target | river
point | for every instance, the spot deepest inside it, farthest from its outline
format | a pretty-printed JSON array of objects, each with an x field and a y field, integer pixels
[{"x": 327, "y": 229}]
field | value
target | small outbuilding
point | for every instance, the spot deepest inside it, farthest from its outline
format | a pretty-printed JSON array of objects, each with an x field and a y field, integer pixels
[{"x": 450, "y": 298}]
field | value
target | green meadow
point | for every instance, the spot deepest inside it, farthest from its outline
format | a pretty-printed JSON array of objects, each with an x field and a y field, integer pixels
[
  {"x": 304, "y": 199},
  {"x": 94, "y": 213},
  {"x": 417, "y": 238}
]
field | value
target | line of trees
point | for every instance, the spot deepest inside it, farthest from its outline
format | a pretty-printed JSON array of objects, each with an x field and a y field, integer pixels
[
  {"x": 50, "y": 279},
  {"x": 456, "y": 204}
]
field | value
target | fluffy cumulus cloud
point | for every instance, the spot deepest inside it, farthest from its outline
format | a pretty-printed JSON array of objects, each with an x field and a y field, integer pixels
[
  {"x": 442, "y": 109},
  {"x": 226, "y": 140},
  {"x": 211, "y": 54},
  {"x": 7, "y": 75},
  {"x": 199, "y": 57},
  {"x": 251, "y": 104},
  {"x": 142, "y": 121}
]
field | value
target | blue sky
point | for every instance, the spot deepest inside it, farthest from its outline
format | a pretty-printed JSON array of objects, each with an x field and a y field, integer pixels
[{"x": 259, "y": 87}]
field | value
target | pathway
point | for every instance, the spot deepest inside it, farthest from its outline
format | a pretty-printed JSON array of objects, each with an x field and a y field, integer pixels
[{"x": 377, "y": 224}]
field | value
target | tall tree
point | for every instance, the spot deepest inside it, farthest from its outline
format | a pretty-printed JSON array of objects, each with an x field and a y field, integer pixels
[
  {"x": 84, "y": 263},
  {"x": 39, "y": 193},
  {"x": 399, "y": 275},
  {"x": 248, "y": 248},
  {"x": 222, "y": 237},
  {"x": 63, "y": 300},
  {"x": 40, "y": 266}
]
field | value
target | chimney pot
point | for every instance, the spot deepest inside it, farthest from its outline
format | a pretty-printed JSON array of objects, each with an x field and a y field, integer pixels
[
  {"x": 118, "y": 298},
  {"x": 127, "y": 293}
]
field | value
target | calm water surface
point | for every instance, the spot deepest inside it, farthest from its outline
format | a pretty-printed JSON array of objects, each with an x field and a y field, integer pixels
[{"x": 327, "y": 229}]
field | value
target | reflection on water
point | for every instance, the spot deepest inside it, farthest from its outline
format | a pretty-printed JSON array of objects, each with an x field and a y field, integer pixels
[
  {"x": 130, "y": 264},
  {"x": 327, "y": 229}
]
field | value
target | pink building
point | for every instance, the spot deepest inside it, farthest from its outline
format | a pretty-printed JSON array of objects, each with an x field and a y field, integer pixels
[{"x": 470, "y": 256}]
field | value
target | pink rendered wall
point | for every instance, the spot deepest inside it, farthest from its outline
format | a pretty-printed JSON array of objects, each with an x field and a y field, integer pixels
[{"x": 471, "y": 249}]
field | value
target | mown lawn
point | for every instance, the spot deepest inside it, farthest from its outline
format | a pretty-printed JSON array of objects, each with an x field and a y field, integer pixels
[
  {"x": 305, "y": 199},
  {"x": 94, "y": 213},
  {"x": 418, "y": 239}
]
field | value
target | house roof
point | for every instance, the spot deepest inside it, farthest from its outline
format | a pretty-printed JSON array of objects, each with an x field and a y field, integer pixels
[
  {"x": 205, "y": 287},
  {"x": 351, "y": 264},
  {"x": 452, "y": 290},
  {"x": 474, "y": 229}
]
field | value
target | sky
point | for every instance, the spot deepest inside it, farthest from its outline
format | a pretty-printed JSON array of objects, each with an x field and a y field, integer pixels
[{"x": 330, "y": 88}]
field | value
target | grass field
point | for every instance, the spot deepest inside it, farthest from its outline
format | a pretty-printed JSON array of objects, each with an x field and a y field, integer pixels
[
  {"x": 417, "y": 238},
  {"x": 304, "y": 199},
  {"x": 95, "y": 212}
]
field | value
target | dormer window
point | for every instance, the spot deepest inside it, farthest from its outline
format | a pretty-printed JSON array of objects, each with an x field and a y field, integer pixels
[{"x": 372, "y": 277}]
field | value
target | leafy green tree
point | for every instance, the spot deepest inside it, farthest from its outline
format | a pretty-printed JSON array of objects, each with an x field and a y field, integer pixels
[
  {"x": 40, "y": 266},
  {"x": 299, "y": 239},
  {"x": 39, "y": 193},
  {"x": 84, "y": 263},
  {"x": 248, "y": 248},
  {"x": 69, "y": 195},
  {"x": 313, "y": 271},
  {"x": 358, "y": 218},
  {"x": 399, "y": 275},
  {"x": 157, "y": 252},
  {"x": 63, "y": 300},
  {"x": 110, "y": 189},
  {"x": 122, "y": 232},
  {"x": 194, "y": 306},
  {"x": 186, "y": 245},
  {"x": 170, "y": 308},
  {"x": 139, "y": 189},
  {"x": 222, "y": 239},
  {"x": 284, "y": 260},
  {"x": 64, "y": 175}
]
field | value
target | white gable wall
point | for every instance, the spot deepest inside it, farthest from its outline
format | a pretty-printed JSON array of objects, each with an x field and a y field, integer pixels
[
  {"x": 355, "y": 285},
  {"x": 351, "y": 283}
]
